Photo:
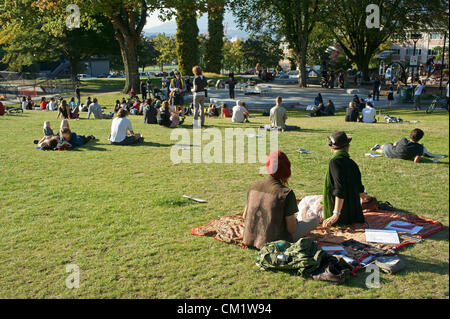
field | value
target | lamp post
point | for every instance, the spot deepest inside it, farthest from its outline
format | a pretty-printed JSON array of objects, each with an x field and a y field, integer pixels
[{"x": 415, "y": 37}]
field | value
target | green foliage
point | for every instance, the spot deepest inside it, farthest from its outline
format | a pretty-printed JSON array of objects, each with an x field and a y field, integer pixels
[
  {"x": 233, "y": 55},
  {"x": 263, "y": 50},
  {"x": 147, "y": 53},
  {"x": 214, "y": 46},
  {"x": 346, "y": 20},
  {"x": 187, "y": 40},
  {"x": 166, "y": 47}
]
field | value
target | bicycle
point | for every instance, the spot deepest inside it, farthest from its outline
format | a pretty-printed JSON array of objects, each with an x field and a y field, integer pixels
[{"x": 438, "y": 102}]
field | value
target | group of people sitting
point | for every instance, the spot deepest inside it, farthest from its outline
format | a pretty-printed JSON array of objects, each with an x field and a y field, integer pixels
[
  {"x": 361, "y": 110},
  {"x": 321, "y": 109},
  {"x": 272, "y": 212}
]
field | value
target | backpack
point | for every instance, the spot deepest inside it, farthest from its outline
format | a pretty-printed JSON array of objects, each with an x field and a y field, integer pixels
[
  {"x": 203, "y": 84},
  {"x": 303, "y": 257}
]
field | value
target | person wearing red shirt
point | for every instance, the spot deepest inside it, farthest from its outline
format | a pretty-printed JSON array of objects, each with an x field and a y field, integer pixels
[
  {"x": 43, "y": 104},
  {"x": 226, "y": 111}
]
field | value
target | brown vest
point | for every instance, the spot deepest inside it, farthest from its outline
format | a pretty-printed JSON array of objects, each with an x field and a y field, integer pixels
[{"x": 265, "y": 221}]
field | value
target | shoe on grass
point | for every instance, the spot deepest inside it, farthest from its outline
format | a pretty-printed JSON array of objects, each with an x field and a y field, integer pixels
[{"x": 376, "y": 147}]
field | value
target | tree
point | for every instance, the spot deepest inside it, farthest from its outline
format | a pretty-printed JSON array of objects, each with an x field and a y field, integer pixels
[
  {"x": 214, "y": 46},
  {"x": 166, "y": 46},
  {"x": 346, "y": 21},
  {"x": 294, "y": 20},
  {"x": 263, "y": 50},
  {"x": 147, "y": 53},
  {"x": 233, "y": 56},
  {"x": 187, "y": 39},
  {"x": 128, "y": 18},
  {"x": 27, "y": 22}
]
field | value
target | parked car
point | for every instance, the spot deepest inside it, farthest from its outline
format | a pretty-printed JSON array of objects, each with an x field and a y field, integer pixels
[
  {"x": 283, "y": 75},
  {"x": 162, "y": 74},
  {"x": 250, "y": 72},
  {"x": 85, "y": 76},
  {"x": 294, "y": 74}
]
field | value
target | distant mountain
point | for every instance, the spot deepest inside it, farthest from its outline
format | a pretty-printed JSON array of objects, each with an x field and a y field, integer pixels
[{"x": 170, "y": 28}]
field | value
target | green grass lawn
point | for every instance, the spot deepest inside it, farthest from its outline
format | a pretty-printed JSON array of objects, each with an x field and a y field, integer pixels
[{"x": 118, "y": 212}]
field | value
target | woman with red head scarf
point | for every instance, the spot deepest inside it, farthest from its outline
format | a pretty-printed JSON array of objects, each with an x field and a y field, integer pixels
[{"x": 271, "y": 209}]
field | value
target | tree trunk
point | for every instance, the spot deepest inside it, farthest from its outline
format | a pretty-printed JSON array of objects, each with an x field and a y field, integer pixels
[
  {"x": 363, "y": 66},
  {"x": 128, "y": 49},
  {"x": 74, "y": 67}
]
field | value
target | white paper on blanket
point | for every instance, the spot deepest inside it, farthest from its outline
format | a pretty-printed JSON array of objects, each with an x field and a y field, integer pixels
[
  {"x": 198, "y": 200},
  {"x": 373, "y": 155},
  {"x": 255, "y": 136},
  {"x": 303, "y": 151},
  {"x": 310, "y": 107},
  {"x": 414, "y": 230},
  {"x": 381, "y": 236},
  {"x": 334, "y": 250}
]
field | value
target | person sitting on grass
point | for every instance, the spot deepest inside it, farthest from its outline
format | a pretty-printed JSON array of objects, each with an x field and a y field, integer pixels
[
  {"x": 164, "y": 115},
  {"x": 369, "y": 113},
  {"x": 343, "y": 189},
  {"x": 97, "y": 110},
  {"x": 74, "y": 140},
  {"x": 122, "y": 132},
  {"x": 409, "y": 150},
  {"x": 212, "y": 111},
  {"x": 175, "y": 119},
  {"x": 43, "y": 104},
  {"x": 47, "y": 129},
  {"x": 150, "y": 113},
  {"x": 352, "y": 113},
  {"x": 270, "y": 214},
  {"x": 278, "y": 115},
  {"x": 330, "y": 109},
  {"x": 225, "y": 111},
  {"x": 64, "y": 111},
  {"x": 240, "y": 113}
]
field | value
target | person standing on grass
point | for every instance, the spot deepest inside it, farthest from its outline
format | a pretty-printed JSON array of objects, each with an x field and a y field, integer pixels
[
  {"x": 270, "y": 214},
  {"x": 231, "y": 86},
  {"x": 177, "y": 89},
  {"x": 418, "y": 92},
  {"x": 199, "y": 92},
  {"x": 144, "y": 90},
  {"x": 376, "y": 89},
  {"x": 343, "y": 189},
  {"x": 122, "y": 131},
  {"x": 149, "y": 87},
  {"x": 390, "y": 95},
  {"x": 409, "y": 150},
  {"x": 78, "y": 95}
]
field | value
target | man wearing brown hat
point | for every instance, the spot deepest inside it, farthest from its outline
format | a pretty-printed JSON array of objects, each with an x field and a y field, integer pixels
[{"x": 343, "y": 189}]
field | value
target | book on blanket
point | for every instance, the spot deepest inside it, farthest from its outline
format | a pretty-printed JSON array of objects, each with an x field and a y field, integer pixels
[
  {"x": 334, "y": 250},
  {"x": 404, "y": 227},
  {"x": 382, "y": 236}
]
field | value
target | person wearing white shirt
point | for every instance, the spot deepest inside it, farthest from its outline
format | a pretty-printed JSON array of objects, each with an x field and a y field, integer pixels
[
  {"x": 240, "y": 113},
  {"x": 369, "y": 113},
  {"x": 122, "y": 131},
  {"x": 52, "y": 105},
  {"x": 24, "y": 103},
  {"x": 418, "y": 94},
  {"x": 447, "y": 97}
]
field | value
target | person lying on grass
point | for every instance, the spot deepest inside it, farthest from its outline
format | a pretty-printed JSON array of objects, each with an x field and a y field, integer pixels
[
  {"x": 270, "y": 214},
  {"x": 343, "y": 189},
  {"x": 122, "y": 132},
  {"x": 409, "y": 150},
  {"x": 71, "y": 138}
]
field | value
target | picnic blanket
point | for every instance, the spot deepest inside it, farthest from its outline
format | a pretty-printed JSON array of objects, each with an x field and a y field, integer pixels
[{"x": 230, "y": 229}]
